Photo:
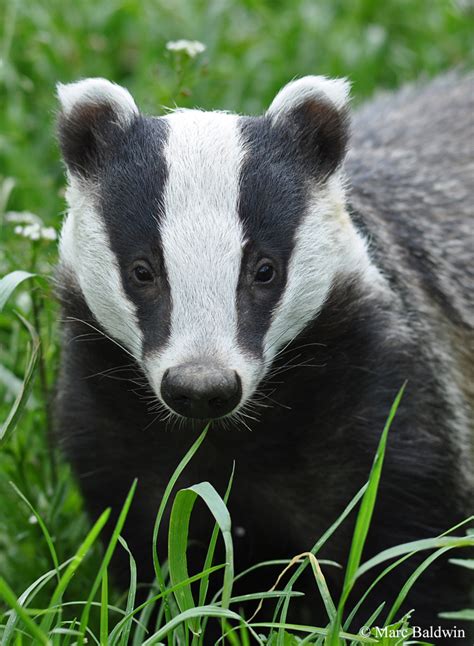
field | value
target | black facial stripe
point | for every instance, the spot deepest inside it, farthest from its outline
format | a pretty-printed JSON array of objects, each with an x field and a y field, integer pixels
[
  {"x": 273, "y": 189},
  {"x": 131, "y": 185}
]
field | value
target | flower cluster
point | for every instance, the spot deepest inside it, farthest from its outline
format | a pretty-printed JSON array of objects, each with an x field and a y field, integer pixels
[
  {"x": 36, "y": 232},
  {"x": 22, "y": 217},
  {"x": 190, "y": 47}
]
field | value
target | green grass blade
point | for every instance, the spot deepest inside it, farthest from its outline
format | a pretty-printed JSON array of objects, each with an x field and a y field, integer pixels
[
  {"x": 255, "y": 596},
  {"x": 22, "y": 397},
  {"x": 467, "y": 563},
  {"x": 368, "y": 502},
  {"x": 371, "y": 620},
  {"x": 411, "y": 581},
  {"x": 308, "y": 640},
  {"x": 26, "y": 597},
  {"x": 71, "y": 632},
  {"x": 359, "y": 603},
  {"x": 145, "y": 609},
  {"x": 79, "y": 556},
  {"x": 178, "y": 545},
  {"x": 323, "y": 588},
  {"x": 132, "y": 591},
  {"x": 364, "y": 518},
  {"x": 108, "y": 554},
  {"x": 9, "y": 283},
  {"x": 154, "y": 598},
  {"x": 461, "y": 615},
  {"x": 7, "y": 594},
  {"x": 244, "y": 635},
  {"x": 44, "y": 529},
  {"x": 414, "y": 546},
  {"x": 391, "y": 567},
  {"x": 178, "y": 541},
  {"x": 312, "y": 630},
  {"x": 249, "y": 570},
  {"x": 203, "y": 586},
  {"x": 283, "y": 617},
  {"x": 197, "y": 613},
  {"x": 319, "y": 544},
  {"x": 164, "y": 501},
  {"x": 161, "y": 510},
  {"x": 66, "y": 604},
  {"x": 104, "y": 610}
]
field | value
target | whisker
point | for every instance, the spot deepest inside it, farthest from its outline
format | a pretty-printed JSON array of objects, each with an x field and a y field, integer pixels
[{"x": 78, "y": 320}]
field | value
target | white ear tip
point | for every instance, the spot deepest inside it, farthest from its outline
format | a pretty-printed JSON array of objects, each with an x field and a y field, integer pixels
[
  {"x": 337, "y": 91},
  {"x": 96, "y": 91}
]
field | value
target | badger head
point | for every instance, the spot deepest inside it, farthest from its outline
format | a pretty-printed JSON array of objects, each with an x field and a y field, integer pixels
[{"x": 205, "y": 242}]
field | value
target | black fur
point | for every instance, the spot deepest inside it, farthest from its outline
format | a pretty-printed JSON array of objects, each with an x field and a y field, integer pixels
[
  {"x": 283, "y": 161},
  {"x": 312, "y": 450},
  {"x": 319, "y": 132},
  {"x": 128, "y": 173},
  {"x": 85, "y": 135},
  {"x": 130, "y": 198},
  {"x": 273, "y": 191}
]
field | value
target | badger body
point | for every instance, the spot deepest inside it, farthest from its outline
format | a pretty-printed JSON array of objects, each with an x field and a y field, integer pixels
[{"x": 241, "y": 269}]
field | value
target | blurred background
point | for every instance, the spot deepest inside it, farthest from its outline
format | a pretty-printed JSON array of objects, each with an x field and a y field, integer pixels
[
  {"x": 252, "y": 48},
  {"x": 246, "y": 50}
]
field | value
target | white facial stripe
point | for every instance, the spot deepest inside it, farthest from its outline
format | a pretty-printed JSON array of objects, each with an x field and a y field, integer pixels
[
  {"x": 202, "y": 238},
  {"x": 201, "y": 233},
  {"x": 326, "y": 245},
  {"x": 85, "y": 249}
]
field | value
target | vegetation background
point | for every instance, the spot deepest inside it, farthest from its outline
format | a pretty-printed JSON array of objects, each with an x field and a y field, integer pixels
[{"x": 253, "y": 47}]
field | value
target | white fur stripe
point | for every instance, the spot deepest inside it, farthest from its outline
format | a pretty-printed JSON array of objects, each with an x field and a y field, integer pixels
[
  {"x": 85, "y": 249},
  {"x": 327, "y": 246},
  {"x": 202, "y": 239}
]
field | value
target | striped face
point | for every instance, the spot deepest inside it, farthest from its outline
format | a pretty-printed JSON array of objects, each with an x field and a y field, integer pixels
[{"x": 204, "y": 242}]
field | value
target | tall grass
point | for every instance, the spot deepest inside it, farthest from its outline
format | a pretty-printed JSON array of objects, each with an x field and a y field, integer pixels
[{"x": 181, "y": 618}]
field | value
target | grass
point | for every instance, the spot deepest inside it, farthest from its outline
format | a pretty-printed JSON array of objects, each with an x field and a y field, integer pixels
[
  {"x": 27, "y": 621},
  {"x": 253, "y": 47}
]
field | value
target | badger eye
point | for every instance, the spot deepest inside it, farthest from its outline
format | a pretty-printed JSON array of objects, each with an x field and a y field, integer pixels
[
  {"x": 265, "y": 272},
  {"x": 142, "y": 274}
]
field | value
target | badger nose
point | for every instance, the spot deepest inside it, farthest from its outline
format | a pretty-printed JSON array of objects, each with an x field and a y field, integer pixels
[{"x": 201, "y": 391}]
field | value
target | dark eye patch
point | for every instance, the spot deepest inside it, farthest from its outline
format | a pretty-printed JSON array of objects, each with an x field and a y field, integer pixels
[
  {"x": 131, "y": 185},
  {"x": 272, "y": 199}
]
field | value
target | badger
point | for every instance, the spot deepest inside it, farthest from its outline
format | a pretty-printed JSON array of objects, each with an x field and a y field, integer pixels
[{"x": 260, "y": 274}]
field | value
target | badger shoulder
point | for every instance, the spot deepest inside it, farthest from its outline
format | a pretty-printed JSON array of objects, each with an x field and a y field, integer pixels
[{"x": 411, "y": 173}]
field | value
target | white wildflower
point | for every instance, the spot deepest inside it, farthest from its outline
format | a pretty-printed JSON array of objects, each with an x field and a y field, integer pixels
[
  {"x": 33, "y": 520},
  {"x": 31, "y": 231},
  {"x": 191, "y": 47},
  {"x": 36, "y": 232},
  {"x": 23, "y": 217},
  {"x": 48, "y": 233}
]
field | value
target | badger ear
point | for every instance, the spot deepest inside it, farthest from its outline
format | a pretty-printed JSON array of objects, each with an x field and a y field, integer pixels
[
  {"x": 94, "y": 112},
  {"x": 313, "y": 113}
]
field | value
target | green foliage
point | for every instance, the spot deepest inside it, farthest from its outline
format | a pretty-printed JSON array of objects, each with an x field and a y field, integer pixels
[{"x": 252, "y": 48}]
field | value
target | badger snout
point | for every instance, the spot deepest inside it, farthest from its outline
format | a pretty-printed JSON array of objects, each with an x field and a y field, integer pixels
[{"x": 201, "y": 391}]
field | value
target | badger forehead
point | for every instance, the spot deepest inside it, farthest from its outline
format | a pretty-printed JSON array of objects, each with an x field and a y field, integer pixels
[
  {"x": 202, "y": 191},
  {"x": 206, "y": 194}
]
